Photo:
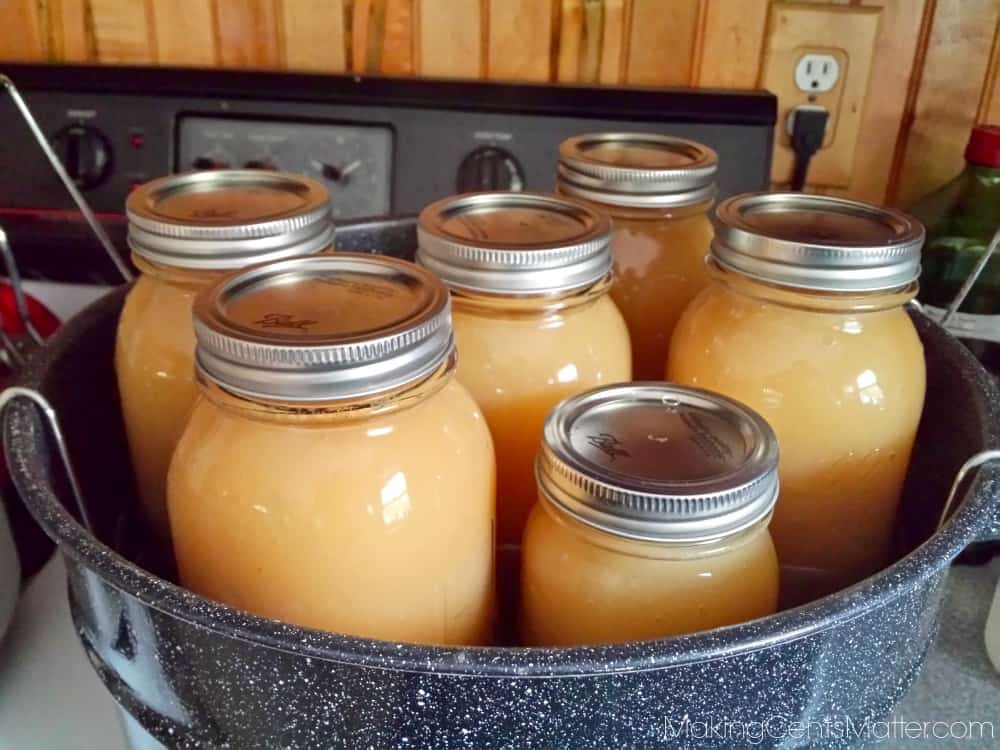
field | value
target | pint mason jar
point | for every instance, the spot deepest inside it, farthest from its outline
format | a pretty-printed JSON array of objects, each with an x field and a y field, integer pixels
[
  {"x": 652, "y": 518},
  {"x": 333, "y": 473},
  {"x": 657, "y": 190},
  {"x": 804, "y": 322},
  {"x": 529, "y": 277},
  {"x": 185, "y": 231}
]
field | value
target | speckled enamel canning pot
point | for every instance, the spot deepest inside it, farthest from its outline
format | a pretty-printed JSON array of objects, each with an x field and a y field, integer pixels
[{"x": 197, "y": 674}]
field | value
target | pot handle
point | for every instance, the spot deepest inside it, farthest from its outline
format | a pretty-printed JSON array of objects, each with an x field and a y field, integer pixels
[
  {"x": 49, "y": 415},
  {"x": 992, "y": 531}
]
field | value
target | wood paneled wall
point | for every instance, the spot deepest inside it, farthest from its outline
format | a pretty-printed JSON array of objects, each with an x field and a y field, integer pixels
[{"x": 935, "y": 71}]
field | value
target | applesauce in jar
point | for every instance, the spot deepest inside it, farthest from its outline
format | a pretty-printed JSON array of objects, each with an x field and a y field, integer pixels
[
  {"x": 533, "y": 319},
  {"x": 805, "y": 322},
  {"x": 652, "y": 518},
  {"x": 658, "y": 191},
  {"x": 334, "y": 474},
  {"x": 185, "y": 231}
]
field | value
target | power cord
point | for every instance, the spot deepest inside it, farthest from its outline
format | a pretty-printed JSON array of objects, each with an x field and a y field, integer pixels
[{"x": 806, "y": 127}]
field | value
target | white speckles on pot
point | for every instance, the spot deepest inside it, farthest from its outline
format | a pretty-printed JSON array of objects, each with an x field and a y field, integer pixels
[{"x": 196, "y": 674}]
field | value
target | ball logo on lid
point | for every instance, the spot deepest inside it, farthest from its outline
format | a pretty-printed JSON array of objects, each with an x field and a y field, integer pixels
[
  {"x": 284, "y": 320},
  {"x": 609, "y": 445}
]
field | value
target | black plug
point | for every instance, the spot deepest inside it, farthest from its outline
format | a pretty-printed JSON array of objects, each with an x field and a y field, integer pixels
[{"x": 806, "y": 126}]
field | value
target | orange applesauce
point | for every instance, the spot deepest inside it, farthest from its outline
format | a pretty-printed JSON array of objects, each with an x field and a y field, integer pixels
[
  {"x": 329, "y": 482},
  {"x": 652, "y": 518},
  {"x": 658, "y": 191},
  {"x": 185, "y": 231},
  {"x": 837, "y": 370},
  {"x": 533, "y": 320}
]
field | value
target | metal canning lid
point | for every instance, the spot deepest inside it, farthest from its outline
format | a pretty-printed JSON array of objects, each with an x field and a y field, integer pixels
[
  {"x": 817, "y": 242},
  {"x": 514, "y": 243},
  {"x": 228, "y": 218},
  {"x": 659, "y": 462},
  {"x": 323, "y": 328},
  {"x": 637, "y": 169}
]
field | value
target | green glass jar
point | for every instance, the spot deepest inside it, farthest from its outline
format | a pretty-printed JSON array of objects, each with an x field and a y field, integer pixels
[{"x": 961, "y": 217}]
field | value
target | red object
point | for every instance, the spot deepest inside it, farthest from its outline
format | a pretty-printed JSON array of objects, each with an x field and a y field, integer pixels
[
  {"x": 40, "y": 315},
  {"x": 137, "y": 139},
  {"x": 984, "y": 146},
  {"x": 45, "y": 322}
]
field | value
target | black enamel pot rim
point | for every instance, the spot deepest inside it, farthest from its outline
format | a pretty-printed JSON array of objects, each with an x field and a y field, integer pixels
[{"x": 974, "y": 515}]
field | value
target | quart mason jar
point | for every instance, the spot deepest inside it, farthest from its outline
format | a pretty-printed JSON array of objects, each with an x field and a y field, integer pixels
[
  {"x": 333, "y": 473},
  {"x": 529, "y": 277},
  {"x": 657, "y": 190},
  {"x": 185, "y": 231},
  {"x": 804, "y": 322},
  {"x": 652, "y": 517}
]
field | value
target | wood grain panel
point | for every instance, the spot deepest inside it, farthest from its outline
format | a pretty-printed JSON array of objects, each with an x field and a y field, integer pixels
[
  {"x": 989, "y": 104},
  {"x": 449, "y": 38},
  {"x": 22, "y": 35},
  {"x": 519, "y": 43},
  {"x": 246, "y": 34},
  {"x": 185, "y": 32},
  {"x": 614, "y": 41},
  {"x": 732, "y": 43},
  {"x": 366, "y": 35},
  {"x": 397, "y": 54},
  {"x": 882, "y": 120},
  {"x": 123, "y": 31},
  {"x": 70, "y": 37},
  {"x": 570, "y": 41},
  {"x": 662, "y": 41},
  {"x": 955, "y": 68},
  {"x": 312, "y": 35}
]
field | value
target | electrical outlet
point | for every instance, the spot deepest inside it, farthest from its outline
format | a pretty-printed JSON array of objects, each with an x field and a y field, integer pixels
[
  {"x": 820, "y": 54},
  {"x": 817, "y": 74}
]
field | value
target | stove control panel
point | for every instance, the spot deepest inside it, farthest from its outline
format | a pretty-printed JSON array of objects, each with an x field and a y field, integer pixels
[
  {"x": 354, "y": 161},
  {"x": 382, "y": 146}
]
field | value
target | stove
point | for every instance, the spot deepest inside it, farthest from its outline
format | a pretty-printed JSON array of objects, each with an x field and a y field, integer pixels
[{"x": 383, "y": 146}]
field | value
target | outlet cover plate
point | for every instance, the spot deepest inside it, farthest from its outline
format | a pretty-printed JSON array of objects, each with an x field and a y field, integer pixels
[{"x": 848, "y": 33}]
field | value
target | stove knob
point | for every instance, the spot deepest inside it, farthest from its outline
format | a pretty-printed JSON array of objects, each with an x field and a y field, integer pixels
[
  {"x": 489, "y": 168},
  {"x": 86, "y": 154}
]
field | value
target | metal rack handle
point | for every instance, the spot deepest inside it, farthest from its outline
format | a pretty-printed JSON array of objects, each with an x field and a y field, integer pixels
[
  {"x": 17, "y": 392},
  {"x": 971, "y": 279},
  {"x": 67, "y": 181},
  {"x": 20, "y": 300},
  {"x": 974, "y": 462}
]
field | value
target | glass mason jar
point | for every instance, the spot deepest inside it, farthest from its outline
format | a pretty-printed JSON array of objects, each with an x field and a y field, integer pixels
[
  {"x": 658, "y": 191},
  {"x": 334, "y": 474},
  {"x": 652, "y": 518},
  {"x": 804, "y": 322},
  {"x": 185, "y": 231},
  {"x": 529, "y": 276}
]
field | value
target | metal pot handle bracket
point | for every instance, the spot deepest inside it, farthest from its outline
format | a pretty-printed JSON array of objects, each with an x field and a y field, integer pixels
[
  {"x": 67, "y": 182},
  {"x": 17, "y": 351},
  {"x": 992, "y": 532},
  {"x": 49, "y": 416}
]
